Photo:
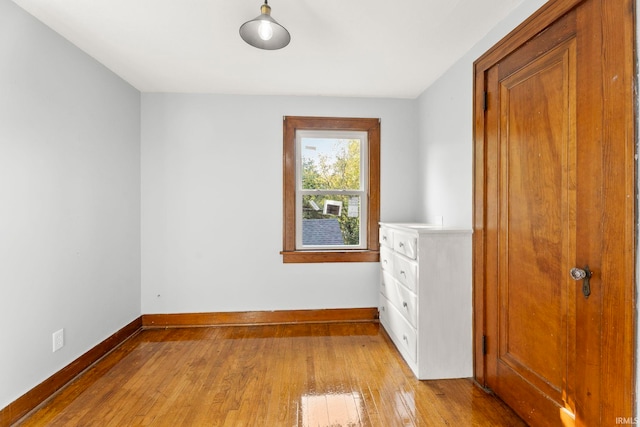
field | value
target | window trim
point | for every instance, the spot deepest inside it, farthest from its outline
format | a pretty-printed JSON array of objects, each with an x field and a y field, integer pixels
[{"x": 372, "y": 128}]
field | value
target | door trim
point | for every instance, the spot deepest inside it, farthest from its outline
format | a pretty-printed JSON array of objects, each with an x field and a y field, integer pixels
[{"x": 618, "y": 105}]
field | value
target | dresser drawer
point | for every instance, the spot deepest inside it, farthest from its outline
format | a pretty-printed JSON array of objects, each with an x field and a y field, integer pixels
[
  {"x": 403, "y": 334},
  {"x": 406, "y": 244},
  {"x": 383, "y": 310},
  {"x": 406, "y": 272},
  {"x": 404, "y": 300},
  {"x": 387, "y": 284},
  {"x": 386, "y": 259},
  {"x": 386, "y": 237},
  {"x": 407, "y": 304}
]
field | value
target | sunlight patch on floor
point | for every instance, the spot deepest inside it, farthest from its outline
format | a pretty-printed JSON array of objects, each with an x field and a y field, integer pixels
[{"x": 329, "y": 410}]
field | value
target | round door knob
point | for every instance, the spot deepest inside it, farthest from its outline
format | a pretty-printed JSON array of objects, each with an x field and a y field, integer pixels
[{"x": 577, "y": 273}]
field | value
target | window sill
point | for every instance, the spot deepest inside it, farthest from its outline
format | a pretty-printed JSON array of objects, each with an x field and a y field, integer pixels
[{"x": 329, "y": 256}]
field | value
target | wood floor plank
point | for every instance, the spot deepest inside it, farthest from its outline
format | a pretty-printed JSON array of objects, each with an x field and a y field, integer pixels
[{"x": 338, "y": 374}]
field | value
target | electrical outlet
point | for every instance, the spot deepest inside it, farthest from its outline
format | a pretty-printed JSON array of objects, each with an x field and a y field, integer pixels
[{"x": 58, "y": 340}]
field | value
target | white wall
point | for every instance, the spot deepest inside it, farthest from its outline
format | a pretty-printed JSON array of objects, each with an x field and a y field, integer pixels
[
  {"x": 69, "y": 202},
  {"x": 446, "y": 132},
  {"x": 212, "y": 203}
]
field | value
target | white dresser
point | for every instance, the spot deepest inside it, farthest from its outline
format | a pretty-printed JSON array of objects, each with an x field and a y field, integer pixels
[{"x": 425, "y": 297}]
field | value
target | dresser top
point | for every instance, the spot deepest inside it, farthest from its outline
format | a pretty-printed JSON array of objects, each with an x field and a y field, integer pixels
[{"x": 424, "y": 228}]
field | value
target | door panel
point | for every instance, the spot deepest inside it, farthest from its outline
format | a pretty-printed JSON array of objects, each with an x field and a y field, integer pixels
[
  {"x": 548, "y": 182},
  {"x": 537, "y": 143}
]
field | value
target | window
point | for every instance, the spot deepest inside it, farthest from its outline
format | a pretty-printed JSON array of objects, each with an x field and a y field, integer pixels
[
  {"x": 331, "y": 189},
  {"x": 331, "y": 169}
]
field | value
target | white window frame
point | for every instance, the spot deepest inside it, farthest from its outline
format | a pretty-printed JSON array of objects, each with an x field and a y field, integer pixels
[{"x": 362, "y": 192}]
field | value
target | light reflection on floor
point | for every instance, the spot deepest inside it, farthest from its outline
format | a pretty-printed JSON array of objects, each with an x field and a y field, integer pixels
[
  {"x": 346, "y": 409},
  {"x": 405, "y": 404},
  {"x": 332, "y": 409}
]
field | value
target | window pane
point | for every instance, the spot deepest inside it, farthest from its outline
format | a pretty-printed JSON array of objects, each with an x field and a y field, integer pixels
[
  {"x": 330, "y": 163},
  {"x": 330, "y": 220}
]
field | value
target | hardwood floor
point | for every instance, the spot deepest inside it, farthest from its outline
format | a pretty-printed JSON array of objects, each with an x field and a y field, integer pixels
[{"x": 340, "y": 374}]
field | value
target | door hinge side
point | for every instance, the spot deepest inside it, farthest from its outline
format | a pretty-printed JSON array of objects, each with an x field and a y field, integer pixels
[
  {"x": 485, "y": 101},
  {"x": 484, "y": 344}
]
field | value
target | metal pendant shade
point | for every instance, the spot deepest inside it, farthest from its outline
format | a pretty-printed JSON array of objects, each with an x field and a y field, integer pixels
[{"x": 264, "y": 32}]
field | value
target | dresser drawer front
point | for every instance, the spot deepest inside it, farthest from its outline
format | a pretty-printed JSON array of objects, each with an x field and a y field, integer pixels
[
  {"x": 406, "y": 244},
  {"x": 387, "y": 285},
  {"x": 407, "y": 304},
  {"x": 386, "y": 259},
  {"x": 383, "y": 311},
  {"x": 386, "y": 238},
  {"x": 404, "y": 335},
  {"x": 389, "y": 288},
  {"x": 406, "y": 272},
  {"x": 400, "y": 297}
]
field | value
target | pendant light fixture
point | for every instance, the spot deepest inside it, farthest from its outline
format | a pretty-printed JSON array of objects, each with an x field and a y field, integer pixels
[{"x": 264, "y": 32}]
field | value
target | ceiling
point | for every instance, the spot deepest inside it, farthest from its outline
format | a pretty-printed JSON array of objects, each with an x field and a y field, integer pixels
[{"x": 364, "y": 48}]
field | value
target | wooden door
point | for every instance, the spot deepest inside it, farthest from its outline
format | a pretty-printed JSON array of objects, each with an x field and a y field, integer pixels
[{"x": 554, "y": 190}]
